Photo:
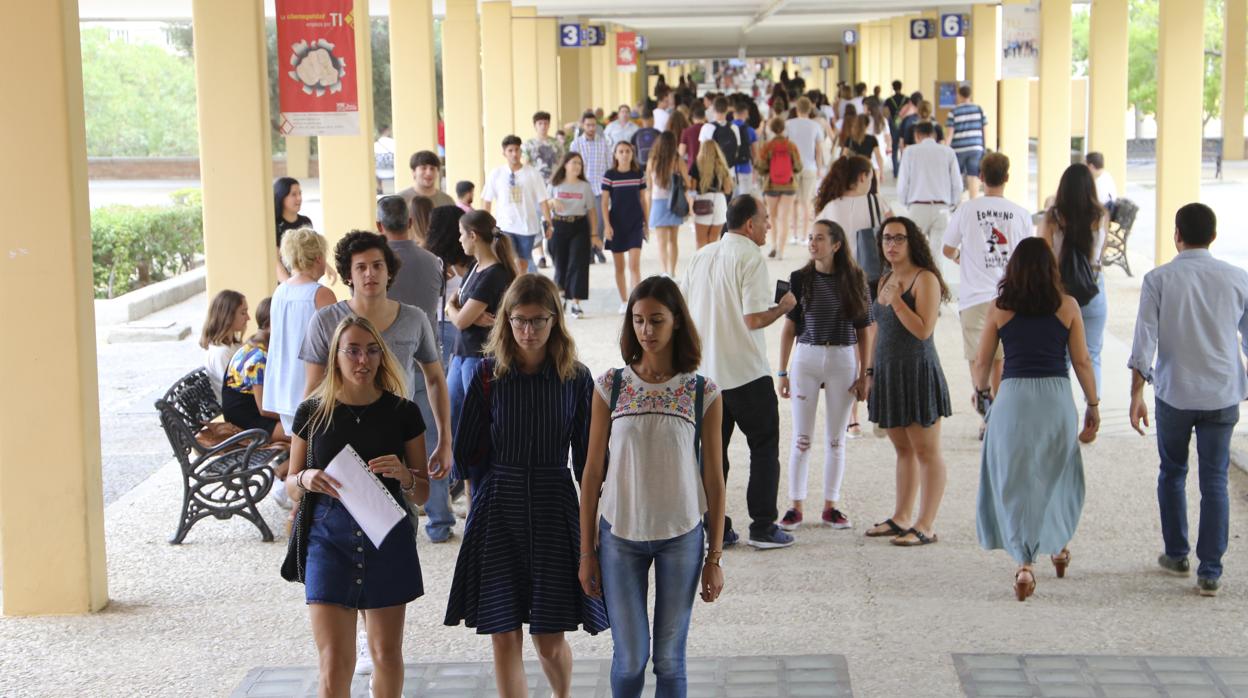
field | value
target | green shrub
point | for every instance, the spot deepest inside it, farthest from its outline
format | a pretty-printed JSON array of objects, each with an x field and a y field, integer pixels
[{"x": 133, "y": 246}]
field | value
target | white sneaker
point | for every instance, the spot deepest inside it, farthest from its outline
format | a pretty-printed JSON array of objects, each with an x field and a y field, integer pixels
[
  {"x": 623, "y": 308},
  {"x": 279, "y": 495},
  {"x": 363, "y": 658}
]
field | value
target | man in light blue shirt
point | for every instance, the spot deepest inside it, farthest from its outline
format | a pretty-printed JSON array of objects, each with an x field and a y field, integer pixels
[{"x": 1194, "y": 317}]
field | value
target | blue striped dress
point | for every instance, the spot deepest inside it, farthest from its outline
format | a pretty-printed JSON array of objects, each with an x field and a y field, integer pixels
[{"x": 521, "y": 551}]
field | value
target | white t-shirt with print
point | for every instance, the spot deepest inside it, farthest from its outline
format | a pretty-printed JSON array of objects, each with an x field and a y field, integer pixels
[
  {"x": 653, "y": 488},
  {"x": 516, "y": 198},
  {"x": 987, "y": 229}
]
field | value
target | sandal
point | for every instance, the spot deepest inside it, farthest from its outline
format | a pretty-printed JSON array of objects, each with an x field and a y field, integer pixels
[
  {"x": 1024, "y": 589},
  {"x": 893, "y": 529},
  {"x": 919, "y": 539},
  {"x": 1061, "y": 562}
]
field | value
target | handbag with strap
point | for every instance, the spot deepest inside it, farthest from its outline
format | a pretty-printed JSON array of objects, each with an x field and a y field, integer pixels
[
  {"x": 1077, "y": 275},
  {"x": 617, "y": 380},
  {"x": 296, "y": 561},
  {"x": 704, "y": 207},
  {"x": 868, "y": 252},
  {"x": 677, "y": 203}
]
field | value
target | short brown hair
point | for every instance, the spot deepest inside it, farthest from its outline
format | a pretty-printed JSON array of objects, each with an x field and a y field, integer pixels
[
  {"x": 777, "y": 125},
  {"x": 994, "y": 168},
  {"x": 964, "y": 91}
]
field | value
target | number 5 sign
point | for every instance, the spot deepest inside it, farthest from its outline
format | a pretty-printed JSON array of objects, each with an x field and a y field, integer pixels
[
  {"x": 922, "y": 29},
  {"x": 570, "y": 35},
  {"x": 952, "y": 26}
]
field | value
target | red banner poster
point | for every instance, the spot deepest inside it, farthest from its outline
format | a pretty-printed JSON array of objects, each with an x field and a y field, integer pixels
[
  {"x": 626, "y": 52},
  {"x": 316, "y": 68}
]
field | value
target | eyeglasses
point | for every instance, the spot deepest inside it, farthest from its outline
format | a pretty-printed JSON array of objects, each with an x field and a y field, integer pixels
[
  {"x": 894, "y": 240},
  {"x": 537, "y": 324},
  {"x": 356, "y": 353}
]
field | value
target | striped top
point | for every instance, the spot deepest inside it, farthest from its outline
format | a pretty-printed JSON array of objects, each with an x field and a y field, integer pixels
[
  {"x": 818, "y": 314},
  {"x": 625, "y": 189},
  {"x": 968, "y": 122}
]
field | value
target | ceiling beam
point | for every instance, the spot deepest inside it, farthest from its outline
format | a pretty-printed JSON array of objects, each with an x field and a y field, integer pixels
[{"x": 772, "y": 7}]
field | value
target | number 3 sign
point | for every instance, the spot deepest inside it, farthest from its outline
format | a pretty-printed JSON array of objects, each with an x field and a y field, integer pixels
[{"x": 570, "y": 35}]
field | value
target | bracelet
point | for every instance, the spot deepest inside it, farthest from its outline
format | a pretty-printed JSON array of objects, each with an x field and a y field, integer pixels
[
  {"x": 299, "y": 480},
  {"x": 1094, "y": 404},
  {"x": 409, "y": 490},
  {"x": 870, "y": 371},
  {"x": 715, "y": 562},
  {"x": 592, "y": 553},
  {"x": 782, "y": 374}
]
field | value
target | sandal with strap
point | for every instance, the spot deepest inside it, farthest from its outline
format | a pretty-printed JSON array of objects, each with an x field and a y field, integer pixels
[
  {"x": 919, "y": 539},
  {"x": 1061, "y": 562},
  {"x": 892, "y": 531},
  {"x": 1024, "y": 589}
]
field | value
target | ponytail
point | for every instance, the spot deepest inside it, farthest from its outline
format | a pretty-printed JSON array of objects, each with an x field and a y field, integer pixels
[
  {"x": 483, "y": 225},
  {"x": 501, "y": 245}
]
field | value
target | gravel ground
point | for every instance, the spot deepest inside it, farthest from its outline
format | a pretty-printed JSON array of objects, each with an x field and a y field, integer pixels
[{"x": 191, "y": 620}]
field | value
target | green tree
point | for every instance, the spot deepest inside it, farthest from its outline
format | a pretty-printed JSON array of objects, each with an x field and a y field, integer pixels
[
  {"x": 139, "y": 100},
  {"x": 1080, "y": 22}
]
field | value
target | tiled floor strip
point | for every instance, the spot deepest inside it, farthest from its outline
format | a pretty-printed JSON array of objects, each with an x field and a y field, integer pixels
[{"x": 1101, "y": 676}]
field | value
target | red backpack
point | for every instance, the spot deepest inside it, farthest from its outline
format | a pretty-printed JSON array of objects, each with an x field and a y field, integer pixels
[{"x": 780, "y": 170}]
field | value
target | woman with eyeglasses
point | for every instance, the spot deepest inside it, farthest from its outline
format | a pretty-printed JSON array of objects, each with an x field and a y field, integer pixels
[
  {"x": 360, "y": 404},
  {"x": 909, "y": 394},
  {"x": 527, "y": 406}
]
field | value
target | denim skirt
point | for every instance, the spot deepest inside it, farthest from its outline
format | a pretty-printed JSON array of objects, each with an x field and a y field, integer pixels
[
  {"x": 661, "y": 215},
  {"x": 345, "y": 569}
]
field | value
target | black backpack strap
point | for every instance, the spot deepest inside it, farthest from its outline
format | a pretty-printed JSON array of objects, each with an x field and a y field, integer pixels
[
  {"x": 617, "y": 379},
  {"x": 699, "y": 390}
]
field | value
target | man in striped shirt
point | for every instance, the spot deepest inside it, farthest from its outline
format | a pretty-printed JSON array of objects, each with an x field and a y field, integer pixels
[
  {"x": 966, "y": 125},
  {"x": 596, "y": 153}
]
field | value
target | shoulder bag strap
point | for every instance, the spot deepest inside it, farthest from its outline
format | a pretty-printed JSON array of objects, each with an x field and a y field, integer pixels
[
  {"x": 700, "y": 383},
  {"x": 617, "y": 379}
]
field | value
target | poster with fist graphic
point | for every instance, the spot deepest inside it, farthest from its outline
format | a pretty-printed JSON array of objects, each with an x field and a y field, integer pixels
[{"x": 317, "y": 88}]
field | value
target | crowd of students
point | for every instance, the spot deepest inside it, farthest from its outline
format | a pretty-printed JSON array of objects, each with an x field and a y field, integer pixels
[{"x": 579, "y": 484}]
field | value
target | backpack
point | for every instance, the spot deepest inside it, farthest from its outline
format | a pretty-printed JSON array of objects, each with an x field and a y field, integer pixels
[
  {"x": 780, "y": 171},
  {"x": 1077, "y": 275},
  {"x": 744, "y": 156},
  {"x": 617, "y": 380},
  {"x": 644, "y": 141},
  {"x": 729, "y": 142}
]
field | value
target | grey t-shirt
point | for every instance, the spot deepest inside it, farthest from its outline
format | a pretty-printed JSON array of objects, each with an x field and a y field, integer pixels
[
  {"x": 419, "y": 281},
  {"x": 440, "y": 198},
  {"x": 409, "y": 338},
  {"x": 572, "y": 198}
]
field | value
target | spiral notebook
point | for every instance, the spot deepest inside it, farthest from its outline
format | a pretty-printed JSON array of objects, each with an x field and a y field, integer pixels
[{"x": 364, "y": 495}]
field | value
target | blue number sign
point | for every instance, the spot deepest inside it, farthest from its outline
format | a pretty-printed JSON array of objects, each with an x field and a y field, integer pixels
[
  {"x": 952, "y": 26},
  {"x": 850, "y": 37},
  {"x": 922, "y": 29},
  {"x": 570, "y": 35}
]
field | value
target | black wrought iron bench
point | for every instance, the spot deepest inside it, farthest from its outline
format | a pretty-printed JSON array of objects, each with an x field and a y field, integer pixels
[
  {"x": 224, "y": 480},
  {"x": 1121, "y": 219}
]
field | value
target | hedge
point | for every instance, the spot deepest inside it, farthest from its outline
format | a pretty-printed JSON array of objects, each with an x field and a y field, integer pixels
[{"x": 133, "y": 246}]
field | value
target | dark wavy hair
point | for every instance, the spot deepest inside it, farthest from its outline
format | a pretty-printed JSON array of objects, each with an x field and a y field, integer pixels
[
  {"x": 841, "y": 178},
  {"x": 686, "y": 346},
  {"x": 357, "y": 241},
  {"x": 1032, "y": 284},
  {"x": 561, "y": 172},
  {"x": 281, "y": 189},
  {"x": 851, "y": 282},
  {"x": 917, "y": 247},
  {"x": 443, "y": 237},
  {"x": 1076, "y": 210}
]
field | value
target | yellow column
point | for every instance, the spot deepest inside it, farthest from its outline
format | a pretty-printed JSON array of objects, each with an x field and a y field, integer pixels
[
  {"x": 1012, "y": 132},
  {"x": 929, "y": 60},
  {"x": 524, "y": 72},
  {"x": 497, "y": 84},
  {"x": 1233, "y": 80},
  {"x": 912, "y": 74},
  {"x": 571, "y": 102},
  {"x": 898, "y": 37},
  {"x": 610, "y": 76},
  {"x": 1107, "y": 71},
  {"x": 298, "y": 155},
  {"x": 413, "y": 93},
  {"x": 946, "y": 70},
  {"x": 461, "y": 92},
  {"x": 1053, "y": 146},
  {"x": 860, "y": 65},
  {"x": 1180, "y": 71},
  {"x": 546, "y": 35},
  {"x": 883, "y": 76},
  {"x": 51, "y": 501},
  {"x": 348, "y": 182},
  {"x": 236, "y": 167},
  {"x": 597, "y": 91},
  {"x": 981, "y": 65}
]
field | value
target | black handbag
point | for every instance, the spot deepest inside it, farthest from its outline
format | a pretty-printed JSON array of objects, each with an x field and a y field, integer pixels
[
  {"x": 868, "y": 252},
  {"x": 297, "y": 547},
  {"x": 677, "y": 203},
  {"x": 1078, "y": 276}
]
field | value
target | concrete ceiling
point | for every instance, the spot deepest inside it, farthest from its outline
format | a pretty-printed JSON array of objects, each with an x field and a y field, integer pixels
[{"x": 690, "y": 29}]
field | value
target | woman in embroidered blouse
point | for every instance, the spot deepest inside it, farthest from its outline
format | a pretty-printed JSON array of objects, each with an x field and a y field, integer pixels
[
  {"x": 527, "y": 406},
  {"x": 648, "y": 411}
]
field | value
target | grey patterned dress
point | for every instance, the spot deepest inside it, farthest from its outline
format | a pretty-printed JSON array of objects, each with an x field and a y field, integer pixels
[{"x": 909, "y": 385}]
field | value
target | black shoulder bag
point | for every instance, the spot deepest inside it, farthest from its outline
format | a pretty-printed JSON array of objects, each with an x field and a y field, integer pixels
[{"x": 297, "y": 547}]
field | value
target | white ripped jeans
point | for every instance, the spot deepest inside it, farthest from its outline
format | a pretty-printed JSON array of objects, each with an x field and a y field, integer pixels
[{"x": 833, "y": 368}]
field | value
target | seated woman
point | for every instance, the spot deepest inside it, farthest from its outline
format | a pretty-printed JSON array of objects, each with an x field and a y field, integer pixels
[{"x": 242, "y": 393}]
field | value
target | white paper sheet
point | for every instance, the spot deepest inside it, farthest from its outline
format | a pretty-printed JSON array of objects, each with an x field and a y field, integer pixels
[{"x": 364, "y": 495}]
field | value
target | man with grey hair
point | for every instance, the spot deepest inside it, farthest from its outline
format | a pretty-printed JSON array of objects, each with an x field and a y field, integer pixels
[{"x": 419, "y": 282}]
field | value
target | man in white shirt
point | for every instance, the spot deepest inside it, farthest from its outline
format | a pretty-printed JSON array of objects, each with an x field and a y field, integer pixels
[
  {"x": 807, "y": 135},
  {"x": 1106, "y": 189},
  {"x": 981, "y": 235},
  {"x": 517, "y": 197},
  {"x": 1193, "y": 318},
  {"x": 730, "y": 299},
  {"x": 663, "y": 112},
  {"x": 622, "y": 128},
  {"x": 929, "y": 184}
]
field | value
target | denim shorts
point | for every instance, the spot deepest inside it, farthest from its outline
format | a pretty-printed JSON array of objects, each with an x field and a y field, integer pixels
[
  {"x": 345, "y": 569},
  {"x": 968, "y": 162}
]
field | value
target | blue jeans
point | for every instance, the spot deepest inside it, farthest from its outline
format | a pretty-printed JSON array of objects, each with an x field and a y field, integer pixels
[
  {"x": 523, "y": 245},
  {"x": 458, "y": 378},
  {"x": 447, "y": 333},
  {"x": 1213, "y": 450},
  {"x": 438, "y": 508},
  {"x": 625, "y": 583},
  {"x": 1095, "y": 314}
]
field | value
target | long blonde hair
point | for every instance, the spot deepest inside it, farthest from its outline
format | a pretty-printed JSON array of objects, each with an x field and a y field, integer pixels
[
  {"x": 389, "y": 378},
  {"x": 711, "y": 166},
  {"x": 531, "y": 289}
]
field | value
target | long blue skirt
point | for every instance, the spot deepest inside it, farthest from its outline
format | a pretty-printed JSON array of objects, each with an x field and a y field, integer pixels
[{"x": 1031, "y": 472}]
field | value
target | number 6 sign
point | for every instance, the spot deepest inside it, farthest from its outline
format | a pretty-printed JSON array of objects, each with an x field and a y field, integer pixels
[
  {"x": 922, "y": 29},
  {"x": 952, "y": 26}
]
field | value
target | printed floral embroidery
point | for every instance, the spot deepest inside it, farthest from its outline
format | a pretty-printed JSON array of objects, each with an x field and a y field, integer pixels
[{"x": 674, "y": 400}]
